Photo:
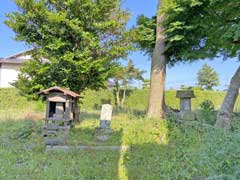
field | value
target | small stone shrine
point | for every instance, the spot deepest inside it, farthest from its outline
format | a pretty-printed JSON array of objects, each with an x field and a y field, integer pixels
[
  {"x": 185, "y": 97},
  {"x": 62, "y": 110}
]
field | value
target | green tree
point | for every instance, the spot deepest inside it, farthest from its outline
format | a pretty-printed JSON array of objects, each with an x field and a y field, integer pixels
[
  {"x": 151, "y": 37},
  {"x": 198, "y": 29},
  {"x": 207, "y": 77},
  {"x": 123, "y": 77},
  {"x": 81, "y": 40}
]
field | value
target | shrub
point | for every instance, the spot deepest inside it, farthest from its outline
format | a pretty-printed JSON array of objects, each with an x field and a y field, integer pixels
[
  {"x": 207, "y": 113},
  {"x": 207, "y": 105}
]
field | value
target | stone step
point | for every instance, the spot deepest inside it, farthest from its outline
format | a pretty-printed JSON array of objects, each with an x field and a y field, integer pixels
[
  {"x": 51, "y": 127},
  {"x": 59, "y": 119},
  {"x": 54, "y": 141},
  {"x": 56, "y": 127},
  {"x": 98, "y": 148},
  {"x": 49, "y": 133}
]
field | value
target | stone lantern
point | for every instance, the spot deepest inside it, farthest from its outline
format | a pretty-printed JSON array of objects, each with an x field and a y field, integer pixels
[{"x": 185, "y": 97}]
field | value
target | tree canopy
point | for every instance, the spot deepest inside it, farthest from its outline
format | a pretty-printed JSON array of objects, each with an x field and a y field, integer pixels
[
  {"x": 81, "y": 40},
  {"x": 198, "y": 29},
  {"x": 145, "y": 37},
  {"x": 195, "y": 29}
]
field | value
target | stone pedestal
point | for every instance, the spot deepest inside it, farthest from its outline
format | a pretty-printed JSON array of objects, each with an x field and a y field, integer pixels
[{"x": 105, "y": 124}]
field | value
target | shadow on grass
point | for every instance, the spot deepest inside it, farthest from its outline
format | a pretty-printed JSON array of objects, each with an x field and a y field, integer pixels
[
  {"x": 22, "y": 154},
  {"x": 141, "y": 161},
  {"x": 160, "y": 161},
  {"x": 101, "y": 164},
  {"x": 147, "y": 161},
  {"x": 191, "y": 152},
  {"x": 88, "y": 136}
]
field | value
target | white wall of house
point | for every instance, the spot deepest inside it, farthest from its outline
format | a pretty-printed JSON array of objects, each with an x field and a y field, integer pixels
[{"x": 8, "y": 74}]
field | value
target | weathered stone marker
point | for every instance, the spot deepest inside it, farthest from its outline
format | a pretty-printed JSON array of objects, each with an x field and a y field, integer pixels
[
  {"x": 185, "y": 97},
  {"x": 105, "y": 123},
  {"x": 106, "y": 116}
]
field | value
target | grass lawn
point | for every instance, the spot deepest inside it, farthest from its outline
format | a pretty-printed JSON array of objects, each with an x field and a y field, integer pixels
[{"x": 158, "y": 149}]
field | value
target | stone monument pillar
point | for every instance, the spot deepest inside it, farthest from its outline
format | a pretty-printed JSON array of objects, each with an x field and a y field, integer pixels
[
  {"x": 105, "y": 123},
  {"x": 106, "y": 116}
]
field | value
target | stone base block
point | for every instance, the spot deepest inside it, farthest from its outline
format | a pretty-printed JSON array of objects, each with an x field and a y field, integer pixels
[
  {"x": 188, "y": 116},
  {"x": 105, "y": 124}
]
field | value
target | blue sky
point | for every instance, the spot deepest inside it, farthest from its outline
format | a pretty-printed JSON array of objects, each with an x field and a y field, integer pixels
[{"x": 176, "y": 76}]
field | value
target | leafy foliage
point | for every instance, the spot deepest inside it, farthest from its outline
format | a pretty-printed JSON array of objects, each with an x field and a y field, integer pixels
[
  {"x": 197, "y": 29},
  {"x": 81, "y": 40},
  {"x": 123, "y": 77},
  {"x": 207, "y": 77},
  {"x": 93, "y": 99},
  {"x": 145, "y": 31}
]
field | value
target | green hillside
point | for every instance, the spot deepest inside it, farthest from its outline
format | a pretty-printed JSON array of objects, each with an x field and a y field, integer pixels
[{"x": 136, "y": 100}]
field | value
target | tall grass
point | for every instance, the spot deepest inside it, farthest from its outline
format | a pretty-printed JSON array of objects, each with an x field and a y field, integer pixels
[{"x": 158, "y": 149}]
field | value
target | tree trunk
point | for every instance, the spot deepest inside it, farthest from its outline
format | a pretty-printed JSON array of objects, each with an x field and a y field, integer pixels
[
  {"x": 225, "y": 113},
  {"x": 124, "y": 96},
  {"x": 117, "y": 93},
  {"x": 156, "y": 104}
]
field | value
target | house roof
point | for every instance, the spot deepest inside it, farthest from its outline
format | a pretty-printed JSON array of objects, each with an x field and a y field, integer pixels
[
  {"x": 13, "y": 61},
  {"x": 17, "y": 58},
  {"x": 20, "y": 57},
  {"x": 65, "y": 91},
  {"x": 14, "y": 56}
]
